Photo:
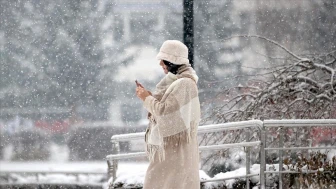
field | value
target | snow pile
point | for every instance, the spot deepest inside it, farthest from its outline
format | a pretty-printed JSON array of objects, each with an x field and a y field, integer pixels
[
  {"x": 255, "y": 169},
  {"x": 203, "y": 175},
  {"x": 133, "y": 179},
  {"x": 129, "y": 175}
]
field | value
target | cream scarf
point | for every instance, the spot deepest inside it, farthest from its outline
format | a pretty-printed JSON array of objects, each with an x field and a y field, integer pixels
[{"x": 176, "y": 122}]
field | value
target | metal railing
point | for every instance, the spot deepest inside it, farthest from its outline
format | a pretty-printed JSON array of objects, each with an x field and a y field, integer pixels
[
  {"x": 281, "y": 124},
  {"x": 113, "y": 159},
  {"x": 262, "y": 126}
]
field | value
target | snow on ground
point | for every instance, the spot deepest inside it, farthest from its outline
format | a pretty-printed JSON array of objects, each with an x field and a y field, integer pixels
[
  {"x": 135, "y": 177},
  {"x": 90, "y": 179},
  {"x": 124, "y": 168},
  {"x": 255, "y": 169},
  {"x": 99, "y": 166},
  {"x": 129, "y": 173},
  {"x": 55, "y": 179},
  {"x": 130, "y": 177},
  {"x": 331, "y": 153}
]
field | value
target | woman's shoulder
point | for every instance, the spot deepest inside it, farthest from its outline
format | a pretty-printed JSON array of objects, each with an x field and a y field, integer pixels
[
  {"x": 187, "y": 80},
  {"x": 184, "y": 82}
]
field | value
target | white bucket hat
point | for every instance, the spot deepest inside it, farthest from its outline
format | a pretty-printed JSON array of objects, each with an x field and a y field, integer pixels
[{"x": 174, "y": 51}]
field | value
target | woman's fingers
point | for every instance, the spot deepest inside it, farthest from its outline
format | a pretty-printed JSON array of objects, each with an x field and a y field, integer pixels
[
  {"x": 142, "y": 93},
  {"x": 139, "y": 90}
]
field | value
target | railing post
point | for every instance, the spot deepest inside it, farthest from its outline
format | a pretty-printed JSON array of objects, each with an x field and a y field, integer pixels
[
  {"x": 281, "y": 145},
  {"x": 248, "y": 160},
  {"x": 115, "y": 150},
  {"x": 262, "y": 157},
  {"x": 109, "y": 169}
]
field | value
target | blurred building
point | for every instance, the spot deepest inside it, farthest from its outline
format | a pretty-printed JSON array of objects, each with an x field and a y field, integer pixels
[{"x": 132, "y": 16}]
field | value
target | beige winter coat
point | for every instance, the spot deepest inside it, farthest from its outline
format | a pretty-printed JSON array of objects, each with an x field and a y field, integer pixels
[{"x": 171, "y": 137}]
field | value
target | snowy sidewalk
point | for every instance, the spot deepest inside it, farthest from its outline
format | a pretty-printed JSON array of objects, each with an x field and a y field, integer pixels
[
  {"x": 99, "y": 170},
  {"x": 130, "y": 174}
]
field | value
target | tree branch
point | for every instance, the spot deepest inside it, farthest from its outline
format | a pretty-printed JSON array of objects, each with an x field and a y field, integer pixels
[{"x": 270, "y": 41}]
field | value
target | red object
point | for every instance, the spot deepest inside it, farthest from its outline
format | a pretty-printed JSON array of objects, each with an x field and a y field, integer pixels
[
  {"x": 53, "y": 126},
  {"x": 322, "y": 134}
]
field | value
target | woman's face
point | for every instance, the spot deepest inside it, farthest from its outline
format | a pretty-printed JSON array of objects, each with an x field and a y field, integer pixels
[{"x": 164, "y": 67}]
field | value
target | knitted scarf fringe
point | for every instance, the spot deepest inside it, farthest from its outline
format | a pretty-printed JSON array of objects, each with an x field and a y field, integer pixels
[{"x": 170, "y": 141}]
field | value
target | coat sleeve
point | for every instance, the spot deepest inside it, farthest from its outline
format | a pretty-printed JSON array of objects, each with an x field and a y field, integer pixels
[{"x": 171, "y": 104}]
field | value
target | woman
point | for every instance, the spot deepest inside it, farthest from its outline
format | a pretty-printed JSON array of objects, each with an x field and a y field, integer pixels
[{"x": 174, "y": 115}]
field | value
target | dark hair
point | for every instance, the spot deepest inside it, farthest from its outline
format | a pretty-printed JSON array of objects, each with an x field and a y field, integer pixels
[{"x": 171, "y": 67}]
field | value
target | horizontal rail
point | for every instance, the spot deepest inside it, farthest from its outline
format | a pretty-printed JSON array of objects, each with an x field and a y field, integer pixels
[
  {"x": 300, "y": 123},
  {"x": 128, "y": 137},
  {"x": 52, "y": 172},
  {"x": 307, "y": 172},
  {"x": 55, "y": 184},
  {"x": 201, "y": 129},
  {"x": 201, "y": 148},
  {"x": 230, "y": 126},
  {"x": 233, "y": 145},
  {"x": 124, "y": 156},
  {"x": 228, "y": 178},
  {"x": 302, "y": 148},
  {"x": 241, "y": 125}
]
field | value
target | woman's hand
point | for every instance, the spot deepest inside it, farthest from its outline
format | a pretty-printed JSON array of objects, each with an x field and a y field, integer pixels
[{"x": 142, "y": 93}]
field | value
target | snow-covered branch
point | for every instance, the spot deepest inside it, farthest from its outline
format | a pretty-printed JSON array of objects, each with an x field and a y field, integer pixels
[{"x": 301, "y": 88}]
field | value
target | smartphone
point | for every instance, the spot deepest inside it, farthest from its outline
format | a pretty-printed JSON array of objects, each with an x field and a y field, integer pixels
[{"x": 137, "y": 83}]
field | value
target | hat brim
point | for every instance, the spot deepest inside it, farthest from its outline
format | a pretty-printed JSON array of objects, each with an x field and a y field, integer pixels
[{"x": 173, "y": 59}]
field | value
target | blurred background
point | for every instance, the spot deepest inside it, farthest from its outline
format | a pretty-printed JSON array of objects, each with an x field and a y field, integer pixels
[{"x": 68, "y": 67}]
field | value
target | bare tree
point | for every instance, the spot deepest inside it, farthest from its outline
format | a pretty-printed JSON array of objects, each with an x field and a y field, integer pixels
[{"x": 303, "y": 87}]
